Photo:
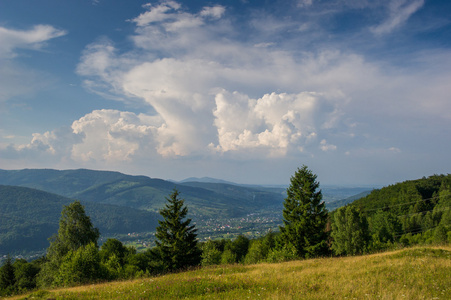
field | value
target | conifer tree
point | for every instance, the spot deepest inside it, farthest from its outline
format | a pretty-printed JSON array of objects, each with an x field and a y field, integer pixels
[
  {"x": 176, "y": 238},
  {"x": 305, "y": 215}
]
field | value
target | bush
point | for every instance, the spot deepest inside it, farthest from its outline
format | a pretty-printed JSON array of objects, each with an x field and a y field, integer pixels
[
  {"x": 286, "y": 253},
  {"x": 228, "y": 257},
  {"x": 81, "y": 266},
  {"x": 210, "y": 254}
]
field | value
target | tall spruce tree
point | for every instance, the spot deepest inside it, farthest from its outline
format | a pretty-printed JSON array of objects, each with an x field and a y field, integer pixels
[
  {"x": 176, "y": 238},
  {"x": 305, "y": 215}
]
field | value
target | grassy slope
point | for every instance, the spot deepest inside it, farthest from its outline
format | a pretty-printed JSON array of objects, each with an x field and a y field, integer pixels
[{"x": 415, "y": 273}]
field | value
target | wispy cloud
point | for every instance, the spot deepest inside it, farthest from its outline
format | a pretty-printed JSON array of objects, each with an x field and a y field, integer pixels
[
  {"x": 399, "y": 12},
  {"x": 16, "y": 80},
  {"x": 11, "y": 39}
]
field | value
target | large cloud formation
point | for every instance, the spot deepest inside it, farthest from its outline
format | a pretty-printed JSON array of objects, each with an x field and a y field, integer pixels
[{"x": 205, "y": 89}]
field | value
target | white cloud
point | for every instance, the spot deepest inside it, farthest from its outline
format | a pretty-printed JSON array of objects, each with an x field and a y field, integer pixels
[
  {"x": 16, "y": 80},
  {"x": 278, "y": 122},
  {"x": 399, "y": 12},
  {"x": 156, "y": 13},
  {"x": 324, "y": 146},
  {"x": 11, "y": 39},
  {"x": 215, "y": 12},
  {"x": 110, "y": 135},
  {"x": 304, "y": 3},
  {"x": 207, "y": 90},
  {"x": 49, "y": 146},
  {"x": 220, "y": 94}
]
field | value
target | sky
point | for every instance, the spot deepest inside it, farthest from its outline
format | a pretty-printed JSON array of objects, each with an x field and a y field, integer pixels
[{"x": 241, "y": 90}]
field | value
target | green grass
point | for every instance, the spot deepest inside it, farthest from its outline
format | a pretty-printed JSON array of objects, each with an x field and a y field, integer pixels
[{"x": 414, "y": 273}]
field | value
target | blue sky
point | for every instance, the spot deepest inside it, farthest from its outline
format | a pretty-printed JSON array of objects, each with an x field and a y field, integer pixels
[{"x": 245, "y": 91}]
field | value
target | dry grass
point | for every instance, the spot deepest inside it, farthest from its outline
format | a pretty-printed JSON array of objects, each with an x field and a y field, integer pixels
[{"x": 414, "y": 273}]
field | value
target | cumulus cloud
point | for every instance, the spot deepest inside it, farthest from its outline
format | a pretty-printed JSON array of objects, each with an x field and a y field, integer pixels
[
  {"x": 208, "y": 93},
  {"x": 275, "y": 121},
  {"x": 100, "y": 136},
  {"x": 111, "y": 135},
  {"x": 52, "y": 145},
  {"x": 399, "y": 12}
]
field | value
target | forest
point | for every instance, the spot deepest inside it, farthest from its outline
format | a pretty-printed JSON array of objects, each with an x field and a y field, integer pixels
[{"x": 408, "y": 213}]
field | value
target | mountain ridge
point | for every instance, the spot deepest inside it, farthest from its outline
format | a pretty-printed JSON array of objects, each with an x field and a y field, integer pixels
[
  {"x": 30, "y": 216},
  {"x": 142, "y": 192}
]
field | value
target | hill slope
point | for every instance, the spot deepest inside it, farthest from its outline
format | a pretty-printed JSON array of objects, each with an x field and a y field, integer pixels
[
  {"x": 28, "y": 217},
  {"x": 416, "y": 273},
  {"x": 146, "y": 193},
  {"x": 411, "y": 196}
]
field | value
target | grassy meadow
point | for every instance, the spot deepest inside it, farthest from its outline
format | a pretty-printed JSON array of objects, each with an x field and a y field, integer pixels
[{"x": 412, "y": 273}]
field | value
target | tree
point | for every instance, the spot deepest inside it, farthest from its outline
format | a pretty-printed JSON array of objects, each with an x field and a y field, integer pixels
[
  {"x": 176, "y": 238},
  {"x": 239, "y": 247},
  {"x": 81, "y": 266},
  {"x": 75, "y": 227},
  {"x": 113, "y": 247},
  {"x": 305, "y": 215},
  {"x": 25, "y": 275},
  {"x": 75, "y": 231},
  {"x": 350, "y": 231},
  {"x": 7, "y": 278},
  {"x": 211, "y": 255}
]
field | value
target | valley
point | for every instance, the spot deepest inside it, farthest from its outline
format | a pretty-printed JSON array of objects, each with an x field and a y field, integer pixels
[{"x": 126, "y": 207}]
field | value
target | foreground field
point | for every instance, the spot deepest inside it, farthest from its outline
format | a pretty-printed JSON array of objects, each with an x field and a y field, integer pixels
[{"x": 414, "y": 273}]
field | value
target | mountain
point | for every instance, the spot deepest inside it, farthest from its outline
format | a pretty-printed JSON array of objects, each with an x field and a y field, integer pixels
[
  {"x": 206, "y": 180},
  {"x": 28, "y": 217},
  {"x": 339, "y": 203},
  {"x": 141, "y": 192},
  {"x": 409, "y": 197}
]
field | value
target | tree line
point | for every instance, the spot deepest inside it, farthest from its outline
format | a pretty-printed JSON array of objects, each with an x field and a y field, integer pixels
[{"x": 394, "y": 215}]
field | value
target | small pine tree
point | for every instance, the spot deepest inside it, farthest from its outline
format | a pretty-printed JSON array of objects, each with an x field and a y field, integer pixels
[
  {"x": 176, "y": 238},
  {"x": 305, "y": 215}
]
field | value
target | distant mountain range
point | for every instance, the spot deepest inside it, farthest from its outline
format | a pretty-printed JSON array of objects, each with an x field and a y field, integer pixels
[
  {"x": 204, "y": 199},
  {"x": 206, "y": 180},
  {"x": 31, "y": 201}
]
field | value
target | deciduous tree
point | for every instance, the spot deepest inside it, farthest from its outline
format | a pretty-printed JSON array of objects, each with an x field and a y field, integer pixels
[{"x": 350, "y": 231}]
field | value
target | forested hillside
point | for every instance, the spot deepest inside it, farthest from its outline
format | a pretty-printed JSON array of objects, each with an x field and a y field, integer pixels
[
  {"x": 141, "y": 192},
  {"x": 412, "y": 212},
  {"x": 28, "y": 217}
]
